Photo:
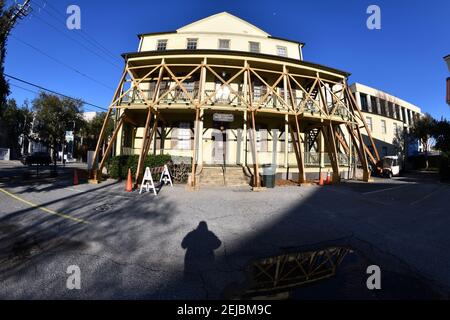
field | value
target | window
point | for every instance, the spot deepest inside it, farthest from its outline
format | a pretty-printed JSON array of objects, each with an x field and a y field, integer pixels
[
  {"x": 391, "y": 110},
  {"x": 184, "y": 136},
  {"x": 383, "y": 107},
  {"x": 282, "y": 51},
  {"x": 191, "y": 44},
  {"x": 373, "y": 100},
  {"x": 369, "y": 123},
  {"x": 383, "y": 126},
  {"x": 254, "y": 47},
  {"x": 224, "y": 44},
  {"x": 364, "y": 103},
  {"x": 395, "y": 128},
  {"x": 162, "y": 45}
]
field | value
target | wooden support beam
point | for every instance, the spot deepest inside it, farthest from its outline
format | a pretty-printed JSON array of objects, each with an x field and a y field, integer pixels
[
  {"x": 355, "y": 107},
  {"x": 328, "y": 134},
  {"x": 194, "y": 151},
  {"x": 142, "y": 154},
  {"x": 300, "y": 162},
  {"x": 256, "y": 178},
  {"x": 110, "y": 144},
  {"x": 94, "y": 171},
  {"x": 297, "y": 152},
  {"x": 359, "y": 144}
]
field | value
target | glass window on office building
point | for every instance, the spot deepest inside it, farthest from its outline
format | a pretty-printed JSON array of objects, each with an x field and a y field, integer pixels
[
  {"x": 383, "y": 107},
  {"x": 282, "y": 51},
  {"x": 162, "y": 45},
  {"x": 192, "y": 44},
  {"x": 369, "y": 123},
  {"x": 254, "y": 47},
  {"x": 224, "y": 44},
  {"x": 374, "y": 102},
  {"x": 364, "y": 103},
  {"x": 391, "y": 110},
  {"x": 395, "y": 129},
  {"x": 383, "y": 126}
]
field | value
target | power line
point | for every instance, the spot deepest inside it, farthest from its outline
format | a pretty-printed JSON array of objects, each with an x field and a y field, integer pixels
[
  {"x": 23, "y": 88},
  {"x": 77, "y": 41},
  {"x": 86, "y": 36},
  {"x": 54, "y": 92},
  {"x": 61, "y": 62}
]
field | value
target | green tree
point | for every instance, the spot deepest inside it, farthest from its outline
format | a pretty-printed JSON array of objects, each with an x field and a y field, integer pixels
[
  {"x": 53, "y": 117},
  {"x": 441, "y": 134},
  {"x": 5, "y": 26},
  {"x": 17, "y": 125},
  {"x": 422, "y": 131}
]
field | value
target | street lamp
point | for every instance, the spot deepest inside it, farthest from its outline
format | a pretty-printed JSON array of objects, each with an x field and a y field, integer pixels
[{"x": 447, "y": 59}]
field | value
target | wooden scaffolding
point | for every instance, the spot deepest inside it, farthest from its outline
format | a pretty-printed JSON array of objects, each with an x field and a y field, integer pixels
[{"x": 308, "y": 96}]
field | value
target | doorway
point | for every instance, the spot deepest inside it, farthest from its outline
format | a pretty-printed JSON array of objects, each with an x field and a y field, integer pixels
[{"x": 219, "y": 150}]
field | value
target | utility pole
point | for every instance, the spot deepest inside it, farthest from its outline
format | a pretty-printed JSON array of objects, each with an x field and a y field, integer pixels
[
  {"x": 8, "y": 19},
  {"x": 20, "y": 12}
]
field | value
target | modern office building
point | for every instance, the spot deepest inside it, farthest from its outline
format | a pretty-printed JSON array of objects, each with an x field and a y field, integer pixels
[
  {"x": 387, "y": 117},
  {"x": 232, "y": 98}
]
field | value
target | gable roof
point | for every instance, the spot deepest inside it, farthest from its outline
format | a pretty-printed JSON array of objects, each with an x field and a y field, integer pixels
[{"x": 223, "y": 22}]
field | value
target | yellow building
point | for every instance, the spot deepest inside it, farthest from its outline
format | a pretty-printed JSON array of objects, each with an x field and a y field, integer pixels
[
  {"x": 387, "y": 116},
  {"x": 225, "y": 94}
]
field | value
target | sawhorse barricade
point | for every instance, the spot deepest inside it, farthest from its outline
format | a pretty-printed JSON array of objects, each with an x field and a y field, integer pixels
[{"x": 147, "y": 180}]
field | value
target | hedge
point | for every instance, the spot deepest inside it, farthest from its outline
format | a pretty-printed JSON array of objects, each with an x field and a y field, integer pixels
[{"x": 118, "y": 166}]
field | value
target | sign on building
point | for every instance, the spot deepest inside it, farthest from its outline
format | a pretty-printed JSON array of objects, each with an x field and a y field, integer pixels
[{"x": 223, "y": 117}]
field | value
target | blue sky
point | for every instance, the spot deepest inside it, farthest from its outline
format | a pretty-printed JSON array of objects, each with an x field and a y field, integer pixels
[{"x": 404, "y": 58}]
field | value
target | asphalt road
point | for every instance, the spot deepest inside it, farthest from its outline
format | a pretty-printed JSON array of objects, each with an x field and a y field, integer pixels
[{"x": 131, "y": 246}]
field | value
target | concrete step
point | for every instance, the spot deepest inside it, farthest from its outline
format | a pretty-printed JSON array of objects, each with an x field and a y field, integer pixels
[{"x": 214, "y": 176}]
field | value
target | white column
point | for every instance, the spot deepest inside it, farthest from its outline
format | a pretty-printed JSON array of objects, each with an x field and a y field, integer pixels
[
  {"x": 369, "y": 102},
  {"x": 358, "y": 99}
]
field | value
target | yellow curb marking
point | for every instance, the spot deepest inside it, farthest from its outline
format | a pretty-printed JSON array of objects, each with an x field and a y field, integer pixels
[{"x": 43, "y": 208}]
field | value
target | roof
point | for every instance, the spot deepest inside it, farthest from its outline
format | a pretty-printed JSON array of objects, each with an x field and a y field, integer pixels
[{"x": 218, "y": 20}]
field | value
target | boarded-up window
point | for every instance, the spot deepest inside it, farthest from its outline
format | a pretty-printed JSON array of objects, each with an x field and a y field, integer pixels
[
  {"x": 184, "y": 136},
  {"x": 262, "y": 136}
]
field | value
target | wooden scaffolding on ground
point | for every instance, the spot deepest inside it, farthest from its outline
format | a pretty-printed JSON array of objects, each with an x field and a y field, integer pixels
[{"x": 335, "y": 112}]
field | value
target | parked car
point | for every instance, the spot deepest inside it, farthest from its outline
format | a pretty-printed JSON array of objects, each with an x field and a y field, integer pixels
[{"x": 39, "y": 158}]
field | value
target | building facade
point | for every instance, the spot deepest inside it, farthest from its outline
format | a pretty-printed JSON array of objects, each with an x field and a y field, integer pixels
[
  {"x": 387, "y": 117},
  {"x": 222, "y": 92}
]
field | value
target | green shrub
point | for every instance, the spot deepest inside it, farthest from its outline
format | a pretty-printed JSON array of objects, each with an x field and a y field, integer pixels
[{"x": 118, "y": 166}]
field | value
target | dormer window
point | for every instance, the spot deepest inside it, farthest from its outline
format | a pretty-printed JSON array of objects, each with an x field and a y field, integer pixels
[
  {"x": 192, "y": 44},
  {"x": 224, "y": 44},
  {"x": 254, "y": 47},
  {"x": 282, "y": 51},
  {"x": 162, "y": 45}
]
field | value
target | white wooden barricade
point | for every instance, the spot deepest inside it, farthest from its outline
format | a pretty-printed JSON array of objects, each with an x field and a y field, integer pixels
[
  {"x": 147, "y": 180},
  {"x": 165, "y": 176}
]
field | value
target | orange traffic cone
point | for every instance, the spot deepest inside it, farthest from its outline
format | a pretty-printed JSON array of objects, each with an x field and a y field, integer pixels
[
  {"x": 328, "y": 182},
  {"x": 129, "y": 185},
  {"x": 321, "y": 180},
  {"x": 75, "y": 177}
]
